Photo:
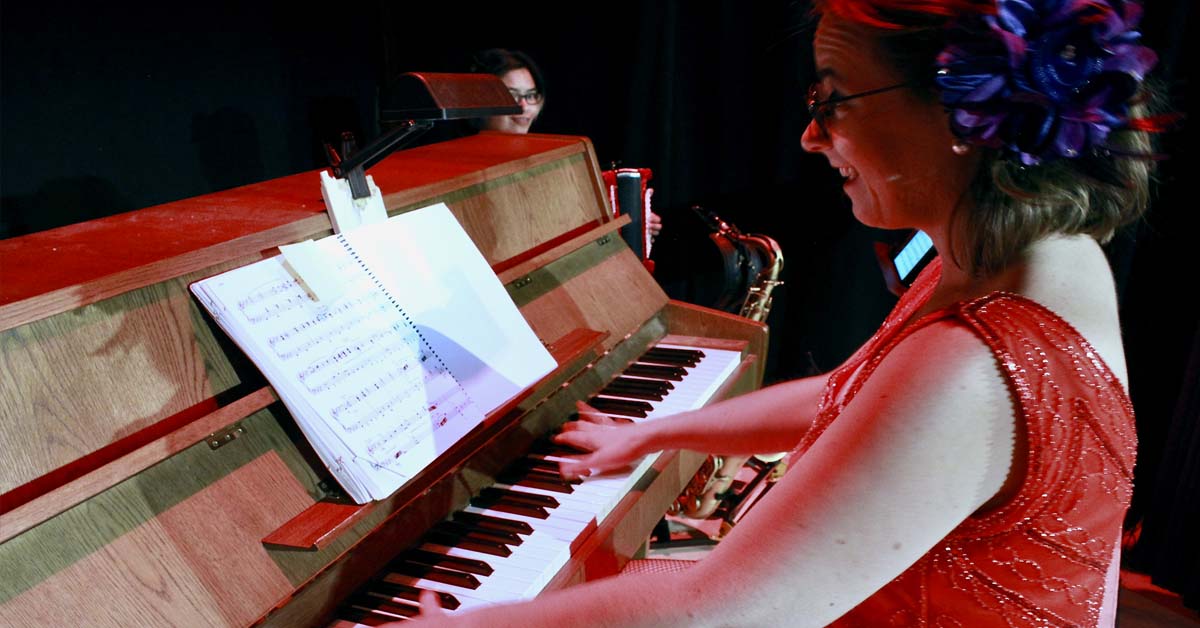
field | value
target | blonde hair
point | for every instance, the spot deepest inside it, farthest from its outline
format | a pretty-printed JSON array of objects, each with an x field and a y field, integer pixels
[{"x": 1015, "y": 205}]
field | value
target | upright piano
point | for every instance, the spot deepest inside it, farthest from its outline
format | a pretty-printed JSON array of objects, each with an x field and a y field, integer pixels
[{"x": 150, "y": 476}]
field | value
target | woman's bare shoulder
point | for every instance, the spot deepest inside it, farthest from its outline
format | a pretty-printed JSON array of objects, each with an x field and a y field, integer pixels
[{"x": 1071, "y": 276}]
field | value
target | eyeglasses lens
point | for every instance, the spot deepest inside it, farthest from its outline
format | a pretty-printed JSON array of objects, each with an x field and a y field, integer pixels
[{"x": 532, "y": 96}]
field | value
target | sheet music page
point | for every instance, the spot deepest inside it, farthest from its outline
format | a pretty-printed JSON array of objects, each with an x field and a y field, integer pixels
[
  {"x": 456, "y": 300},
  {"x": 422, "y": 342}
]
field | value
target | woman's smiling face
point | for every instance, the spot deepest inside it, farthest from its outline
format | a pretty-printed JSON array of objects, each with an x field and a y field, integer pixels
[{"x": 893, "y": 148}]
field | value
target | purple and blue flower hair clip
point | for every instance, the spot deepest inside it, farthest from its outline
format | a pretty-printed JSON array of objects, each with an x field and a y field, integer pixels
[{"x": 1044, "y": 79}]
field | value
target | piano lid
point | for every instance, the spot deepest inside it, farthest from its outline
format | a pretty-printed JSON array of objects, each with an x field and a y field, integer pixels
[{"x": 53, "y": 271}]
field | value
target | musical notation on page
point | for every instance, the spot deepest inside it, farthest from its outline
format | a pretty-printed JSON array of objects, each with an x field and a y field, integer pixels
[{"x": 418, "y": 346}]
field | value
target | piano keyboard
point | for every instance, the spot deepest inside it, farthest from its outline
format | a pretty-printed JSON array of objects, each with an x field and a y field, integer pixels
[{"x": 517, "y": 534}]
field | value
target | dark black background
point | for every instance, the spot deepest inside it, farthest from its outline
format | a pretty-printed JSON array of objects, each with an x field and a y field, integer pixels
[{"x": 111, "y": 107}]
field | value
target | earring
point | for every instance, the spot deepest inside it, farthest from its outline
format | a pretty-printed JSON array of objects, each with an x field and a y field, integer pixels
[{"x": 960, "y": 147}]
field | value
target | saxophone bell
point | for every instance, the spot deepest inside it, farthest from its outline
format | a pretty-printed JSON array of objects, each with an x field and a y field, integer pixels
[{"x": 752, "y": 264}]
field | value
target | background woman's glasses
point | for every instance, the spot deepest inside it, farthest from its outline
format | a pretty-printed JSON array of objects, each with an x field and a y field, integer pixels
[{"x": 533, "y": 96}]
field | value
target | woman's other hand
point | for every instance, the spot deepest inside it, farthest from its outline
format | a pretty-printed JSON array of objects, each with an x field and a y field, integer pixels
[
  {"x": 613, "y": 444},
  {"x": 431, "y": 613},
  {"x": 653, "y": 223}
]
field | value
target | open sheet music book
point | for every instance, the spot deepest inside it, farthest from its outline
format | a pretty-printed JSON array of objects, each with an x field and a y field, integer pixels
[{"x": 417, "y": 343}]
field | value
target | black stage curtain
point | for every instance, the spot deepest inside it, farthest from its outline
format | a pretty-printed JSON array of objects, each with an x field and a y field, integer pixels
[
  {"x": 1162, "y": 339},
  {"x": 1168, "y": 547}
]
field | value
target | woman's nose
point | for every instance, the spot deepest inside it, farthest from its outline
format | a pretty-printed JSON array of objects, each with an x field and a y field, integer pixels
[{"x": 814, "y": 139}]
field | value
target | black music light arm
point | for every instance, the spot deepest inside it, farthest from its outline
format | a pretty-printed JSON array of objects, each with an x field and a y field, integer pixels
[
  {"x": 416, "y": 100},
  {"x": 353, "y": 169}
]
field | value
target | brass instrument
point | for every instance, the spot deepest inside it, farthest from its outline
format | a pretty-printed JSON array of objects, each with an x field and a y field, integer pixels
[
  {"x": 745, "y": 254},
  {"x": 758, "y": 297}
]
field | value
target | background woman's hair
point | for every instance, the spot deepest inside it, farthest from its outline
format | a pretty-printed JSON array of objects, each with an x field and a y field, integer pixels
[
  {"x": 501, "y": 61},
  {"x": 1013, "y": 204}
]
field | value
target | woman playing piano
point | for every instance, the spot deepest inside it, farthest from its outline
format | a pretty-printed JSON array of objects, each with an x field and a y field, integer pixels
[{"x": 970, "y": 464}]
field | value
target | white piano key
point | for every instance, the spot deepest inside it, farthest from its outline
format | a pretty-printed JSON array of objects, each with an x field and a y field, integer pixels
[
  {"x": 696, "y": 389},
  {"x": 518, "y": 565},
  {"x": 582, "y": 499},
  {"x": 534, "y": 568},
  {"x": 564, "y": 529},
  {"x": 487, "y": 592}
]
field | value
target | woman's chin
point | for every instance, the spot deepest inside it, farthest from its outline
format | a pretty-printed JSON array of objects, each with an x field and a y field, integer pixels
[{"x": 867, "y": 213}]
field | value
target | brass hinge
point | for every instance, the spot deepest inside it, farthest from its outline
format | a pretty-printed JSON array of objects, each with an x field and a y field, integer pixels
[{"x": 217, "y": 440}]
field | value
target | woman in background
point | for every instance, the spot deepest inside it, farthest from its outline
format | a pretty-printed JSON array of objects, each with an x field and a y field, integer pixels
[{"x": 524, "y": 81}]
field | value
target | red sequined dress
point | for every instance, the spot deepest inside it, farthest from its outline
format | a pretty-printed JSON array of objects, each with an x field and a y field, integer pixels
[{"x": 1041, "y": 558}]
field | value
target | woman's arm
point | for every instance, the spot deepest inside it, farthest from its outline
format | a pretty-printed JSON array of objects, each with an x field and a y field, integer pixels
[
  {"x": 764, "y": 421},
  {"x": 927, "y": 441}
]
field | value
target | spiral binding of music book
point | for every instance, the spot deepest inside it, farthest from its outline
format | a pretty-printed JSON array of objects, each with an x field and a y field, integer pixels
[{"x": 418, "y": 343}]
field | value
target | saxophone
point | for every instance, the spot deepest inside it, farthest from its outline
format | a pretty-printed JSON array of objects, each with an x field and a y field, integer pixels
[
  {"x": 762, "y": 257},
  {"x": 757, "y": 305}
]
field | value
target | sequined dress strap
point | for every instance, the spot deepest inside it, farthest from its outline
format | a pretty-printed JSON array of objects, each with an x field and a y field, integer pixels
[{"x": 1018, "y": 330}]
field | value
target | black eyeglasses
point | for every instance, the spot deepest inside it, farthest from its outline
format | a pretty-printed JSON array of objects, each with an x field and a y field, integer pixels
[
  {"x": 533, "y": 96},
  {"x": 822, "y": 109}
]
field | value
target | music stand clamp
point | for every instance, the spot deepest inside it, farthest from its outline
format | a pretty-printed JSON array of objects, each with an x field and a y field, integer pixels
[{"x": 415, "y": 100}]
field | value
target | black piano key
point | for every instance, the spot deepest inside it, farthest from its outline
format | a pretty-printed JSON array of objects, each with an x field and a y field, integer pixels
[
  {"x": 525, "y": 510},
  {"x": 376, "y": 612},
  {"x": 616, "y": 417},
  {"x": 381, "y": 588},
  {"x": 468, "y": 530},
  {"x": 657, "y": 385},
  {"x": 535, "y": 465},
  {"x": 634, "y": 393},
  {"x": 516, "y": 473},
  {"x": 554, "y": 473},
  {"x": 670, "y": 360},
  {"x": 545, "y": 470},
  {"x": 614, "y": 406},
  {"x": 538, "y": 465},
  {"x": 483, "y": 545},
  {"x": 545, "y": 484},
  {"x": 672, "y": 373},
  {"x": 537, "y": 478},
  {"x": 499, "y": 494},
  {"x": 683, "y": 354},
  {"x": 488, "y": 521},
  {"x": 446, "y": 561},
  {"x": 437, "y": 574},
  {"x": 631, "y": 404}
]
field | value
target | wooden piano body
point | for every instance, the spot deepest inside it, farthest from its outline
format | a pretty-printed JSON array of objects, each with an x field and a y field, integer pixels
[{"x": 150, "y": 477}]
